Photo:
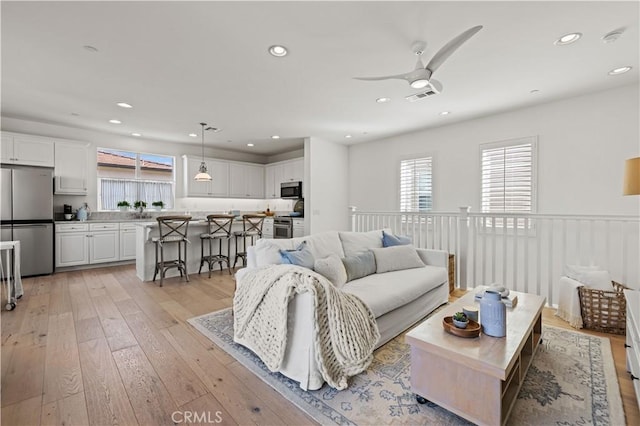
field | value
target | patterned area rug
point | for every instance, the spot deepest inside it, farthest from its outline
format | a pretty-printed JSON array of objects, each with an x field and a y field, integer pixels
[{"x": 572, "y": 381}]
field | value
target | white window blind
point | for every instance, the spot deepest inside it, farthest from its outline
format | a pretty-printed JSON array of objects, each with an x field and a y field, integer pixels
[
  {"x": 508, "y": 181},
  {"x": 415, "y": 185}
]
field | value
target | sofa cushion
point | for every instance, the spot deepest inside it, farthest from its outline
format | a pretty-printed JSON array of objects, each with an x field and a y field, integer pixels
[
  {"x": 267, "y": 251},
  {"x": 357, "y": 242},
  {"x": 360, "y": 265},
  {"x": 332, "y": 268},
  {"x": 388, "y": 291},
  {"x": 390, "y": 240},
  {"x": 300, "y": 256},
  {"x": 396, "y": 258}
]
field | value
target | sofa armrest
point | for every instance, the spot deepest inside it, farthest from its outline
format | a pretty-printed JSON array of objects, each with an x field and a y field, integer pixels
[{"x": 434, "y": 257}]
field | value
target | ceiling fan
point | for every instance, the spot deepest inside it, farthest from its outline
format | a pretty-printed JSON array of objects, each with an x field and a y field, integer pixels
[{"x": 420, "y": 77}]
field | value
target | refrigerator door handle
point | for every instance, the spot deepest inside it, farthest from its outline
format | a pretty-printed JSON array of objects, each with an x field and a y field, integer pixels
[{"x": 30, "y": 226}]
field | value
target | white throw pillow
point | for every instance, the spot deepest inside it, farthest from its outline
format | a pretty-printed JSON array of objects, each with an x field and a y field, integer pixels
[
  {"x": 268, "y": 253},
  {"x": 574, "y": 271},
  {"x": 354, "y": 243},
  {"x": 332, "y": 268},
  {"x": 597, "y": 280},
  {"x": 396, "y": 258}
]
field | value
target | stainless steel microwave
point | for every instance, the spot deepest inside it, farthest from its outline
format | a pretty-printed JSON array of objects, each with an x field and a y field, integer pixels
[{"x": 291, "y": 190}]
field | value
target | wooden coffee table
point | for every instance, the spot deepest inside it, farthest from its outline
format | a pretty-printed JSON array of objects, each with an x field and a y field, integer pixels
[{"x": 476, "y": 378}]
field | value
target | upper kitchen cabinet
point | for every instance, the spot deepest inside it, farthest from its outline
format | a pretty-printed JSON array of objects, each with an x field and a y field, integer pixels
[
  {"x": 26, "y": 149},
  {"x": 284, "y": 171},
  {"x": 217, "y": 169},
  {"x": 293, "y": 171},
  {"x": 246, "y": 180},
  {"x": 71, "y": 173}
]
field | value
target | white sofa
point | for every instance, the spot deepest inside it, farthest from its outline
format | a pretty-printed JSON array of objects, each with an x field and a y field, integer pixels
[{"x": 398, "y": 299}]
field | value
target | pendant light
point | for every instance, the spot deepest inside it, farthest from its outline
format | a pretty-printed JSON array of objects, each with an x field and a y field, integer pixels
[{"x": 203, "y": 176}]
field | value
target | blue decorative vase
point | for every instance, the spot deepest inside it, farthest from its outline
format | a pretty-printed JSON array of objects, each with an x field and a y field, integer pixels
[{"x": 493, "y": 314}]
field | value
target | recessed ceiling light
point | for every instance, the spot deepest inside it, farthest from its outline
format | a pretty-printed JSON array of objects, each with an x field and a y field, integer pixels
[
  {"x": 534, "y": 91},
  {"x": 250, "y": 144},
  {"x": 90, "y": 48},
  {"x": 567, "y": 39},
  {"x": 75, "y": 114},
  {"x": 124, "y": 105},
  {"x": 275, "y": 137},
  {"x": 348, "y": 136},
  {"x": 193, "y": 135},
  {"x": 618, "y": 71},
  {"x": 114, "y": 121},
  {"x": 445, "y": 113},
  {"x": 136, "y": 134},
  {"x": 278, "y": 51},
  {"x": 382, "y": 100}
]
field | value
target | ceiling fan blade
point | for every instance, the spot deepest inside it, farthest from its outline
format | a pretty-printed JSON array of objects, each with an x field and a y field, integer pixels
[
  {"x": 448, "y": 49},
  {"x": 404, "y": 76}
]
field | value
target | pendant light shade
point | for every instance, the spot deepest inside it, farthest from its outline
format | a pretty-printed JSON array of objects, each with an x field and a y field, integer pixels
[{"x": 202, "y": 175}]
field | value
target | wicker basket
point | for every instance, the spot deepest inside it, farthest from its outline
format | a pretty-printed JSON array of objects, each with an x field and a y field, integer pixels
[{"x": 604, "y": 311}]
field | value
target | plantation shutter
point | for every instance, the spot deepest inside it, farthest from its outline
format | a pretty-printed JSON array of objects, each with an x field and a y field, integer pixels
[
  {"x": 508, "y": 178},
  {"x": 415, "y": 185}
]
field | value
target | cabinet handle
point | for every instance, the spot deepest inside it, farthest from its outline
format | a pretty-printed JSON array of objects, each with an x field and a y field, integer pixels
[
  {"x": 633, "y": 377},
  {"x": 627, "y": 346}
]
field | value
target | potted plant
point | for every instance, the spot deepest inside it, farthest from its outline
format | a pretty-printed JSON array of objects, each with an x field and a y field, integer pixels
[
  {"x": 460, "y": 320},
  {"x": 159, "y": 205},
  {"x": 123, "y": 205},
  {"x": 140, "y": 206}
]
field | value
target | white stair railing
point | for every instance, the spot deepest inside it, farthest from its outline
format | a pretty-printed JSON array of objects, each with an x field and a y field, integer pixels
[{"x": 524, "y": 252}]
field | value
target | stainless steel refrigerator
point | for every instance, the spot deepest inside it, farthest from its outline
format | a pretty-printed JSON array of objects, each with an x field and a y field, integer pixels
[{"x": 26, "y": 213}]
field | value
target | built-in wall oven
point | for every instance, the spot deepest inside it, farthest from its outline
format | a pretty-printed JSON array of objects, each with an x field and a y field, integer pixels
[{"x": 283, "y": 227}]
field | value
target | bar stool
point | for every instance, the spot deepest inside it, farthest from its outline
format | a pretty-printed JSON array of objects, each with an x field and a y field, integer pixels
[
  {"x": 251, "y": 228},
  {"x": 219, "y": 228},
  {"x": 172, "y": 230}
]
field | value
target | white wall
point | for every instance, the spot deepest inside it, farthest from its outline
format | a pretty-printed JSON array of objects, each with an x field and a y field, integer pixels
[
  {"x": 582, "y": 144},
  {"x": 326, "y": 193}
]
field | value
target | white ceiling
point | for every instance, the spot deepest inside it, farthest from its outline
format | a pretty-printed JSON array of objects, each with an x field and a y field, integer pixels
[{"x": 182, "y": 63}]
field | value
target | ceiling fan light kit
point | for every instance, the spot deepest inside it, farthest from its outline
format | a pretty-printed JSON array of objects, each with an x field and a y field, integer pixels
[{"x": 421, "y": 75}]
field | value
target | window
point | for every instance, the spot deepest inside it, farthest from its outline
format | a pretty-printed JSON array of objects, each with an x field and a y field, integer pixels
[
  {"x": 415, "y": 185},
  {"x": 132, "y": 176},
  {"x": 508, "y": 176}
]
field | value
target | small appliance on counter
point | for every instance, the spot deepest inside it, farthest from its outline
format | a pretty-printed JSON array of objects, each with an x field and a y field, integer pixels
[
  {"x": 83, "y": 212},
  {"x": 68, "y": 212}
]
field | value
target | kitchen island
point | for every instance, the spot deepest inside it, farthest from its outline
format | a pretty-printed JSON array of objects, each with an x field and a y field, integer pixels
[{"x": 145, "y": 248}]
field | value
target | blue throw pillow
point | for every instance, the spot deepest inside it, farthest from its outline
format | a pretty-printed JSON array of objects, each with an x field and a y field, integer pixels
[
  {"x": 390, "y": 240},
  {"x": 301, "y": 256}
]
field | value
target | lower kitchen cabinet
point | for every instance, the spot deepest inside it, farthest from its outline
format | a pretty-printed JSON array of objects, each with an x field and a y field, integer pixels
[
  {"x": 83, "y": 243},
  {"x": 127, "y": 241},
  {"x": 267, "y": 228},
  {"x": 298, "y": 228}
]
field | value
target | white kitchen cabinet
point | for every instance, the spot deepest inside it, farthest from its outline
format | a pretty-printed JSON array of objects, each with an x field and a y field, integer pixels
[
  {"x": 71, "y": 173},
  {"x": 272, "y": 180},
  {"x": 267, "y": 228},
  {"x": 72, "y": 245},
  {"x": 293, "y": 171},
  {"x": 26, "y": 149},
  {"x": 246, "y": 180},
  {"x": 217, "y": 169},
  {"x": 284, "y": 171},
  {"x": 83, "y": 243},
  {"x": 104, "y": 242},
  {"x": 298, "y": 228},
  {"x": 127, "y": 241}
]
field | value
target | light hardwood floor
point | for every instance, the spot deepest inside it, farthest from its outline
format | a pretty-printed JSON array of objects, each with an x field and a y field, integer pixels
[{"x": 99, "y": 347}]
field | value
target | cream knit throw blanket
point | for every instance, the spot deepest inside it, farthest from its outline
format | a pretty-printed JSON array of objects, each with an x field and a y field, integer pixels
[{"x": 345, "y": 329}]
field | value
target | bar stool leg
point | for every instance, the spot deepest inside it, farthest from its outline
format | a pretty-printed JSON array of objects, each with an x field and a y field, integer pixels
[
  {"x": 186, "y": 273},
  {"x": 210, "y": 263},
  {"x": 162, "y": 270},
  {"x": 155, "y": 271},
  {"x": 201, "y": 254},
  {"x": 229, "y": 254}
]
